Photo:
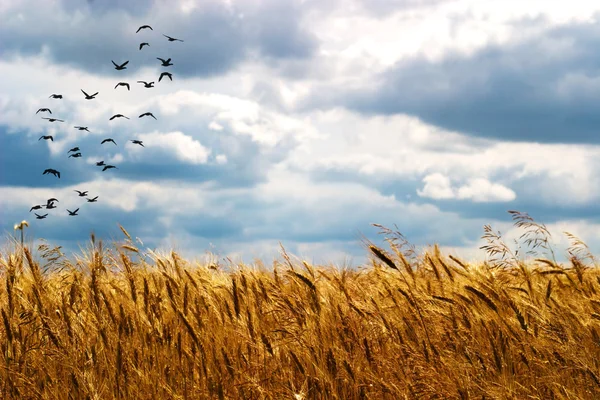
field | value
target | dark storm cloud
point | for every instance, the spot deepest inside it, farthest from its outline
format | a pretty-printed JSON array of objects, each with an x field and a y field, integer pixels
[
  {"x": 227, "y": 175},
  {"x": 215, "y": 39},
  {"x": 521, "y": 92},
  {"x": 276, "y": 27}
]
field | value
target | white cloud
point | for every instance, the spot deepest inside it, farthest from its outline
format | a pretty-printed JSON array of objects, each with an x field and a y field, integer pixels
[
  {"x": 432, "y": 30},
  {"x": 437, "y": 186},
  {"x": 481, "y": 190},
  {"x": 403, "y": 147},
  {"x": 215, "y": 126},
  {"x": 185, "y": 148},
  {"x": 242, "y": 116}
]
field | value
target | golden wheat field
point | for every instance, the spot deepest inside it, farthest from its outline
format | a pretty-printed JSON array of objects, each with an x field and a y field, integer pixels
[{"x": 114, "y": 323}]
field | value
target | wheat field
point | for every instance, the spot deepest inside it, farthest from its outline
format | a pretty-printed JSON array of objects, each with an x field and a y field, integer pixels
[{"x": 118, "y": 323}]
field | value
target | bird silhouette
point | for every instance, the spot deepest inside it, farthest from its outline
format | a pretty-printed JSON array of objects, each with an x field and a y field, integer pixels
[
  {"x": 147, "y": 114},
  {"x": 50, "y": 203},
  {"x": 109, "y": 140},
  {"x": 73, "y": 212},
  {"x": 168, "y": 74},
  {"x": 82, "y": 128},
  {"x": 165, "y": 63},
  {"x": 146, "y": 84},
  {"x": 100, "y": 163},
  {"x": 37, "y": 207},
  {"x": 46, "y": 137},
  {"x": 95, "y": 199},
  {"x": 120, "y": 67},
  {"x": 38, "y": 216},
  {"x": 52, "y": 171},
  {"x": 108, "y": 167},
  {"x": 73, "y": 149},
  {"x": 55, "y": 96},
  {"x": 88, "y": 97},
  {"x": 117, "y": 116},
  {"x": 81, "y": 194},
  {"x": 144, "y": 44},
  {"x": 171, "y": 39},
  {"x": 44, "y": 110},
  {"x": 53, "y": 119},
  {"x": 138, "y": 142},
  {"x": 144, "y": 27},
  {"x": 75, "y": 155},
  {"x": 123, "y": 84}
]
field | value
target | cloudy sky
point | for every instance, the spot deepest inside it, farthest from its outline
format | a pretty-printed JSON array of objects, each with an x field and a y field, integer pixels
[{"x": 302, "y": 122}]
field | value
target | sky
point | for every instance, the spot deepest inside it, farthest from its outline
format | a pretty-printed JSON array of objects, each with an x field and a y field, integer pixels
[{"x": 302, "y": 122}]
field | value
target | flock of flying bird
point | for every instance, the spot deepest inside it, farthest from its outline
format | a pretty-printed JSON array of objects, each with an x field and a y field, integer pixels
[{"x": 75, "y": 152}]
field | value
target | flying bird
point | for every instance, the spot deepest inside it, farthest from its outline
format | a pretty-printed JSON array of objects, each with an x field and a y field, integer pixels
[
  {"x": 117, "y": 116},
  {"x": 146, "y": 84},
  {"x": 109, "y": 140},
  {"x": 144, "y": 44},
  {"x": 73, "y": 149},
  {"x": 144, "y": 27},
  {"x": 73, "y": 212},
  {"x": 95, "y": 199},
  {"x": 53, "y": 119},
  {"x": 108, "y": 167},
  {"x": 165, "y": 63},
  {"x": 147, "y": 114},
  {"x": 123, "y": 84},
  {"x": 171, "y": 39},
  {"x": 82, "y": 128},
  {"x": 120, "y": 67},
  {"x": 55, "y": 96},
  {"x": 44, "y": 110},
  {"x": 38, "y": 216},
  {"x": 138, "y": 142},
  {"x": 52, "y": 171},
  {"x": 46, "y": 137},
  {"x": 168, "y": 74},
  {"x": 81, "y": 194},
  {"x": 88, "y": 97},
  {"x": 75, "y": 155},
  {"x": 100, "y": 163},
  {"x": 50, "y": 203},
  {"x": 36, "y": 207}
]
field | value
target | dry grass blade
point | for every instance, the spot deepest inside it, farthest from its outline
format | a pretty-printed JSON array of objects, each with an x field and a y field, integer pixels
[
  {"x": 383, "y": 257},
  {"x": 482, "y": 296}
]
